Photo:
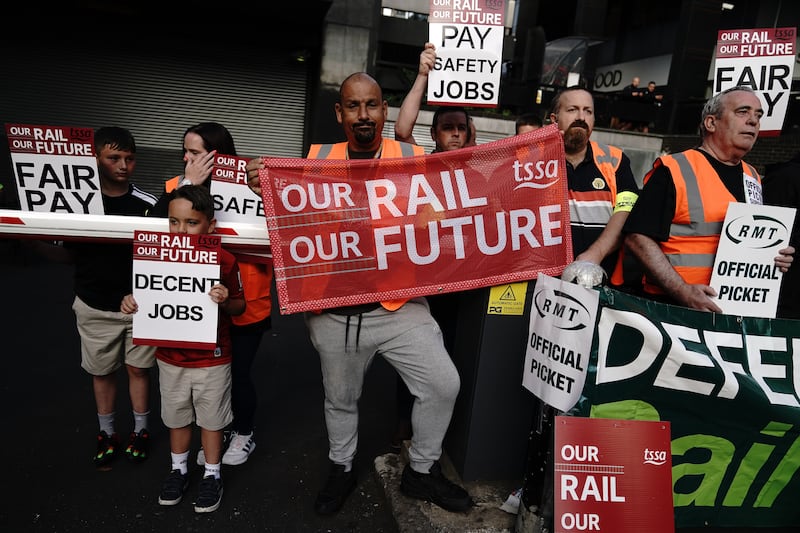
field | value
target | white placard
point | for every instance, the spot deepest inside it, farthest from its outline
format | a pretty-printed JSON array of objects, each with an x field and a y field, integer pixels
[
  {"x": 745, "y": 276},
  {"x": 468, "y": 35},
  {"x": 563, "y": 317},
  {"x": 172, "y": 275},
  {"x": 55, "y": 169},
  {"x": 762, "y": 59},
  {"x": 234, "y": 200}
]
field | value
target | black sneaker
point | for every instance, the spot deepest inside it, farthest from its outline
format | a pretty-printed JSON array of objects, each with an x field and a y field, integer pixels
[
  {"x": 337, "y": 488},
  {"x": 435, "y": 488},
  {"x": 209, "y": 495},
  {"x": 173, "y": 487},
  {"x": 138, "y": 444},
  {"x": 106, "y": 448}
]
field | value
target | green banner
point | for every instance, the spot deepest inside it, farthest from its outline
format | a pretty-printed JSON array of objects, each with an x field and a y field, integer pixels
[{"x": 728, "y": 386}]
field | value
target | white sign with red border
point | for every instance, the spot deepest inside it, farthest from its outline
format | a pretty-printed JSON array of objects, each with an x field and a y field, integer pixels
[
  {"x": 468, "y": 35},
  {"x": 55, "y": 168},
  {"x": 172, "y": 276},
  {"x": 234, "y": 201},
  {"x": 762, "y": 59}
]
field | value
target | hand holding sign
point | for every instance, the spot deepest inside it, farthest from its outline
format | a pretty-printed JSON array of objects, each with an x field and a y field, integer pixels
[{"x": 469, "y": 43}]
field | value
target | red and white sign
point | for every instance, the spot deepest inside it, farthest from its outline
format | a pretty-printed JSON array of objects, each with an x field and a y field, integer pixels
[
  {"x": 172, "y": 275},
  {"x": 762, "y": 59},
  {"x": 612, "y": 476},
  {"x": 234, "y": 201},
  {"x": 468, "y": 35},
  {"x": 55, "y": 169},
  {"x": 346, "y": 232}
]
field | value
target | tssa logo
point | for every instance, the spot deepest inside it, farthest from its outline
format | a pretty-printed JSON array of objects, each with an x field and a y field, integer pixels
[
  {"x": 654, "y": 457},
  {"x": 536, "y": 174},
  {"x": 757, "y": 231},
  {"x": 568, "y": 312}
]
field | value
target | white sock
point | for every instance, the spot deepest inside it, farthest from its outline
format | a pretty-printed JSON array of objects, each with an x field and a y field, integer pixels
[
  {"x": 106, "y": 423},
  {"x": 213, "y": 470},
  {"x": 140, "y": 421},
  {"x": 180, "y": 461}
]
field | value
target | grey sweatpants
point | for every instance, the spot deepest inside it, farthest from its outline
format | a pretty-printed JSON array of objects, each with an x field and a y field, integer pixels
[{"x": 411, "y": 341}]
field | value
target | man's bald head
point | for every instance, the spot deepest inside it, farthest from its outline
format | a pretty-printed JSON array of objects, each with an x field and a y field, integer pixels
[{"x": 362, "y": 112}]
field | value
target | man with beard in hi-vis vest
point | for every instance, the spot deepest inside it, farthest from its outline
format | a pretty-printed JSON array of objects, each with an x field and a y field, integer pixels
[
  {"x": 402, "y": 331},
  {"x": 602, "y": 191}
]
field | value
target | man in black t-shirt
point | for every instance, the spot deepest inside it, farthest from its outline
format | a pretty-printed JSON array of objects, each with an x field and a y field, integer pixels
[{"x": 674, "y": 228}]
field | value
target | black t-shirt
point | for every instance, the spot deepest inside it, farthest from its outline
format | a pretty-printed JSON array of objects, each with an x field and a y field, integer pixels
[
  {"x": 104, "y": 271},
  {"x": 654, "y": 210}
]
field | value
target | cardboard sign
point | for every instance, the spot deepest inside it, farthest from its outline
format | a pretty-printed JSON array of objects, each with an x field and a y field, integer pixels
[
  {"x": 612, "y": 476},
  {"x": 172, "y": 275},
  {"x": 234, "y": 201},
  {"x": 55, "y": 168},
  {"x": 762, "y": 59},
  {"x": 745, "y": 276},
  {"x": 562, "y": 321},
  {"x": 468, "y": 35}
]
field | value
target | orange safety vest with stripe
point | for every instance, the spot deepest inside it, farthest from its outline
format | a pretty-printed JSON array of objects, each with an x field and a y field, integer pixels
[
  {"x": 390, "y": 148},
  {"x": 256, "y": 282},
  {"x": 607, "y": 158},
  {"x": 701, "y": 202}
]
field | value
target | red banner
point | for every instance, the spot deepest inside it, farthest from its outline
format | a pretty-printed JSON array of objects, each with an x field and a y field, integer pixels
[
  {"x": 346, "y": 232},
  {"x": 612, "y": 475}
]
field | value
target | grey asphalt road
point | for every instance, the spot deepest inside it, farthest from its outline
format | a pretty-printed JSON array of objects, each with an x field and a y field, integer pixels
[{"x": 50, "y": 484}]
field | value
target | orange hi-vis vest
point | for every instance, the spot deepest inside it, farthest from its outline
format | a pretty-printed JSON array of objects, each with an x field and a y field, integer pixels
[
  {"x": 256, "y": 282},
  {"x": 389, "y": 149},
  {"x": 607, "y": 159},
  {"x": 701, "y": 202}
]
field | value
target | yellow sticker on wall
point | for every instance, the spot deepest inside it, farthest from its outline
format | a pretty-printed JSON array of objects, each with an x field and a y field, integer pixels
[{"x": 508, "y": 299}]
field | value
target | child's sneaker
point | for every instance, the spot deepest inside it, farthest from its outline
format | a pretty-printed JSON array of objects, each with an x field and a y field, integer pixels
[
  {"x": 106, "y": 448},
  {"x": 209, "y": 495},
  {"x": 138, "y": 444},
  {"x": 239, "y": 449},
  {"x": 173, "y": 487}
]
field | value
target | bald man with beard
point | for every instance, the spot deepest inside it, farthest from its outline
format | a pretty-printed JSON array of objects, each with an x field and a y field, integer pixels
[
  {"x": 402, "y": 331},
  {"x": 602, "y": 189}
]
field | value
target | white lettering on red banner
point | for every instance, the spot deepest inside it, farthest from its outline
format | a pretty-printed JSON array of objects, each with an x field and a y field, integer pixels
[{"x": 358, "y": 231}]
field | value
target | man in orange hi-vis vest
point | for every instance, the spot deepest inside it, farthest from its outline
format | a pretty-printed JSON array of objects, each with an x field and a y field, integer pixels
[
  {"x": 403, "y": 332},
  {"x": 675, "y": 226}
]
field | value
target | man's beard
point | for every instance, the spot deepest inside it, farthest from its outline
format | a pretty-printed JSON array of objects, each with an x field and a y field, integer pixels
[
  {"x": 364, "y": 135},
  {"x": 576, "y": 137}
]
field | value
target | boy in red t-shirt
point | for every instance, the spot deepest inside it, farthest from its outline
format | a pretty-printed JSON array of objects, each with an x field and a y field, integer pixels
[{"x": 196, "y": 384}]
